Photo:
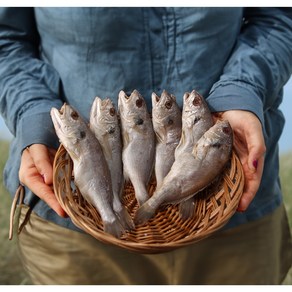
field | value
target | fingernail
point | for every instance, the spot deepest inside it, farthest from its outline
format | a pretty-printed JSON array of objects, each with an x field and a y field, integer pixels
[
  {"x": 44, "y": 178},
  {"x": 255, "y": 164}
]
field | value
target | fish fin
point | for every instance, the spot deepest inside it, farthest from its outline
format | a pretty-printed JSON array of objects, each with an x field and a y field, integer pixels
[
  {"x": 159, "y": 137},
  {"x": 126, "y": 139},
  {"x": 114, "y": 228},
  {"x": 181, "y": 141},
  {"x": 107, "y": 148},
  {"x": 187, "y": 209},
  {"x": 141, "y": 193},
  {"x": 125, "y": 219},
  {"x": 144, "y": 213},
  {"x": 199, "y": 152}
]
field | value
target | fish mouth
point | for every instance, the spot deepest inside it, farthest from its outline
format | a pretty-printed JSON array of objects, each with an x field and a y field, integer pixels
[
  {"x": 166, "y": 95},
  {"x": 123, "y": 95},
  {"x": 155, "y": 99},
  {"x": 56, "y": 117},
  {"x": 96, "y": 107},
  {"x": 123, "y": 99}
]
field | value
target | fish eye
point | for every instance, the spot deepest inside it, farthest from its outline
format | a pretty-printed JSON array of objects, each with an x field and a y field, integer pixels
[
  {"x": 226, "y": 130},
  {"x": 197, "y": 101},
  {"x": 168, "y": 104},
  {"x": 196, "y": 120},
  {"x": 170, "y": 122},
  {"x": 74, "y": 115},
  {"x": 112, "y": 111},
  {"x": 139, "y": 102}
]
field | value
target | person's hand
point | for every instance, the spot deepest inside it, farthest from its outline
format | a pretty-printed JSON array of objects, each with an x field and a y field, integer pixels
[
  {"x": 36, "y": 172},
  {"x": 250, "y": 147}
]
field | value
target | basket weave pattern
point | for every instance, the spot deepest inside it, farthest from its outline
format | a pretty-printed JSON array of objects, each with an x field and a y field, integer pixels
[{"x": 166, "y": 231}]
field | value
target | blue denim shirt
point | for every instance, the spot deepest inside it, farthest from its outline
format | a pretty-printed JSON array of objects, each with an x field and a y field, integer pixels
[{"x": 237, "y": 58}]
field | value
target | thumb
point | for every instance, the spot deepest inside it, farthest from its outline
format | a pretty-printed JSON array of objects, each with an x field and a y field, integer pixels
[{"x": 41, "y": 158}]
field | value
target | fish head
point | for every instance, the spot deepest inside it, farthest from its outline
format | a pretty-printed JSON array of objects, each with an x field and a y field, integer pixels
[
  {"x": 166, "y": 113},
  {"x": 103, "y": 111},
  {"x": 218, "y": 140},
  {"x": 69, "y": 126},
  {"x": 195, "y": 111},
  {"x": 134, "y": 102},
  {"x": 164, "y": 106},
  {"x": 221, "y": 133},
  {"x": 132, "y": 108}
]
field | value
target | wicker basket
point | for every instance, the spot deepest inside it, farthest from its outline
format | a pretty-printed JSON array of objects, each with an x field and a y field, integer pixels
[{"x": 164, "y": 232}]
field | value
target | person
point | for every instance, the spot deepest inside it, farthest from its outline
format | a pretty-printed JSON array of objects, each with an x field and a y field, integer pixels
[{"x": 238, "y": 58}]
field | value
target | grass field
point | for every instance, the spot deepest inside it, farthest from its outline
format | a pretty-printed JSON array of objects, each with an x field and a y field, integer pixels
[{"x": 11, "y": 272}]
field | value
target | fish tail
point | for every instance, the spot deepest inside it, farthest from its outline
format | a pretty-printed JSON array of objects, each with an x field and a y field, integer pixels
[
  {"x": 114, "y": 228},
  {"x": 187, "y": 209},
  {"x": 125, "y": 219},
  {"x": 141, "y": 194},
  {"x": 144, "y": 213}
]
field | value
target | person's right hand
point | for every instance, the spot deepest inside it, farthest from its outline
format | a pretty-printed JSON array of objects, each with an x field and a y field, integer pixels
[{"x": 36, "y": 173}]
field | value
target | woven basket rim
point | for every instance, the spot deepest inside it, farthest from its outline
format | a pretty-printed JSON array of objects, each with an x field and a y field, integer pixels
[{"x": 216, "y": 210}]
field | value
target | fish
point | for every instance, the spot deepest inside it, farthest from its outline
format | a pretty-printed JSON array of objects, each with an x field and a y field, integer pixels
[
  {"x": 91, "y": 172},
  {"x": 138, "y": 142},
  {"x": 167, "y": 125},
  {"x": 104, "y": 123},
  {"x": 193, "y": 171},
  {"x": 196, "y": 120}
]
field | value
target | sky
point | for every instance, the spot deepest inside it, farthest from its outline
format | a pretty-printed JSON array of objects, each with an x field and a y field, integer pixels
[{"x": 286, "y": 107}]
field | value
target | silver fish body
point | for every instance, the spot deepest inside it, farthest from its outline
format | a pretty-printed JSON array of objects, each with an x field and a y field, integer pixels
[
  {"x": 193, "y": 171},
  {"x": 138, "y": 142},
  {"x": 105, "y": 125},
  {"x": 196, "y": 120},
  {"x": 91, "y": 172},
  {"x": 167, "y": 124}
]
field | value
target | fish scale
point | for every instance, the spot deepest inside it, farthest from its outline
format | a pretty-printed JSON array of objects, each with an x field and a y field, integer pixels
[
  {"x": 138, "y": 142},
  {"x": 192, "y": 172},
  {"x": 166, "y": 119},
  {"x": 91, "y": 172},
  {"x": 105, "y": 125}
]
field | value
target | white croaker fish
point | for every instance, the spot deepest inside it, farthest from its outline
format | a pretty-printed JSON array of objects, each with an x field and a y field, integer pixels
[
  {"x": 166, "y": 119},
  {"x": 104, "y": 124},
  {"x": 196, "y": 120},
  {"x": 193, "y": 171},
  {"x": 91, "y": 172},
  {"x": 138, "y": 142}
]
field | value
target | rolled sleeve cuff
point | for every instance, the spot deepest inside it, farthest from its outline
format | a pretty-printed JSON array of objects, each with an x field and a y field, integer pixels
[
  {"x": 38, "y": 129},
  {"x": 235, "y": 96}
]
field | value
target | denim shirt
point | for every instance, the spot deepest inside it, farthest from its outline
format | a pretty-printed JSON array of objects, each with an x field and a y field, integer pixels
[{"x": 236, "y": 58}]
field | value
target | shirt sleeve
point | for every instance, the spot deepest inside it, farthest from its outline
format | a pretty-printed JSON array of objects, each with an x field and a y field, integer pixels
[
  {"x": 259, "y": 65},
  {"x": 29, "y": 87}
]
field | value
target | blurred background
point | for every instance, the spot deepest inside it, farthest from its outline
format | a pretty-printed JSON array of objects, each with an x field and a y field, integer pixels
[{"x": 11, "y": 272}]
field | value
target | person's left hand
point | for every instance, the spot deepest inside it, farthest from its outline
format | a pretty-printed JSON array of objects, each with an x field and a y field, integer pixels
[{"x": 250, "y": 147}]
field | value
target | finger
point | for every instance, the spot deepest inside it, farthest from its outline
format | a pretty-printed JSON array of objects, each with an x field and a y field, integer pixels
[
  {"x": 42, "y": 161},
  {"x": 256, "y": 146},
  {"x": 252, "y": 183},
  {"x": 29, "y": 176}
]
